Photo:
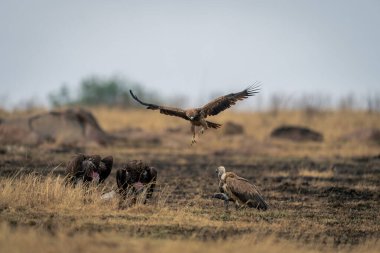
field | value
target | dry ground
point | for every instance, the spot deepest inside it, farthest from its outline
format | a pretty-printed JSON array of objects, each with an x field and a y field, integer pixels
[{"x": 323, "y": 196}]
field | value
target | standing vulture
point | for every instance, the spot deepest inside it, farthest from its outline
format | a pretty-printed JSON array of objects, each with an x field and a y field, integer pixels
[
  {"x": 239, "y": 190},
  {"x": 88, "y": 168},
  {"x": 197, "y": 116},
  {"x": 136, "y": 177}
]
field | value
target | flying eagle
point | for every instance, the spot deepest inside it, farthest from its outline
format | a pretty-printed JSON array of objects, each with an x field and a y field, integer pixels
[
  {"x": 197, "y": 116},
  {"x": 239, "y": 190}
]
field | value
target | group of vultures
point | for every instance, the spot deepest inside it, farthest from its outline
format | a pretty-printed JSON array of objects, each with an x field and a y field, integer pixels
[{"x": 137, "y": 178}]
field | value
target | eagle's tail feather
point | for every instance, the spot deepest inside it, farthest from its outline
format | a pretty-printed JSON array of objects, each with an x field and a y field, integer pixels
[{"x": 213, "y": 125}]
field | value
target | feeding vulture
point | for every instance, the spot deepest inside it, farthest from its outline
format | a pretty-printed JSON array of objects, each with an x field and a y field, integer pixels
[
  {"x": 197, "y": 116},
  {"x": 88, "y": 168},
  {"x": 136, "y": 177},
  {"x": 239, "y": 190}
]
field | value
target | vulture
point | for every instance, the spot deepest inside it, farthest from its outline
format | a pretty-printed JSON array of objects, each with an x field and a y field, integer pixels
[
  {"x": 238, "y": 190},
  {"x": 88, "y": 168},
  {"x": 197, "y": 116},
  {"x": 136, "y": 177}
]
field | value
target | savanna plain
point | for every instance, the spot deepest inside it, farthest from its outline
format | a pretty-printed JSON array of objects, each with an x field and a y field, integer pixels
[{"x": 324, "y": 196}]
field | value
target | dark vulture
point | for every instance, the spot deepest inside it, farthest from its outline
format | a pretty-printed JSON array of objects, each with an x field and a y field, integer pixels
[
  {"x": 197, "y": 116},
  {"x": 238, "y": 190},
  {"x": 136, "y": 177},
  {"x": 88, "y": 168}
]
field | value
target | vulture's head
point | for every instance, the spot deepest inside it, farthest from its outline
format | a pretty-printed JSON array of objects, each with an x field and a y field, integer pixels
[
  {"x": 138, "y": 181},
  {"x": 91, "y": 168},
  {"x": 220, "y": 171},
  {"x": 147, "y": 176},
  {"x": 107, "y": 162}
]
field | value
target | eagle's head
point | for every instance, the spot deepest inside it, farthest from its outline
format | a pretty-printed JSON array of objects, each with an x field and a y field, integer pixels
[
  {"x": 192, "y": 115},
  {"x": 220, "y": 171}
]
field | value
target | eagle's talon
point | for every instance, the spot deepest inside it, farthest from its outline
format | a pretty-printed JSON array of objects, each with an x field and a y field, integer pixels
[{"x": 200, "y": 132}]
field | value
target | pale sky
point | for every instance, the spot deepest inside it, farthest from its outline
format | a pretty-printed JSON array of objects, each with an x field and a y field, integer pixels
[{"x": 194, "y": 48}]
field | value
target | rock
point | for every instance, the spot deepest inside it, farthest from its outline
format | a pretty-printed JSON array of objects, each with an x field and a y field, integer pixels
[
  {"x": 296, "y": 133},
  {"x": 231, "y": 128},
  {"x": 70, "y": 127},
  {"x": 178, "y": 129},
  {"x": 108, "y": 196},
  {"x": 371, "y": 135},
  {"x": 17, "y": 131}
]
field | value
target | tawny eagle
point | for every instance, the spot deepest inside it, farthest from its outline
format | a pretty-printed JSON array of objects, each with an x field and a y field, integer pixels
[
  {"x": 197, "y": 116},
  {"x": 239, "y": 190}
]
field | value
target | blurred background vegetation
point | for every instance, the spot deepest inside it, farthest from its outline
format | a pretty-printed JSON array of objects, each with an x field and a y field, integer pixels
[
  {"x": 96, "y": 90},
  {"x": 113, "y": 91}
]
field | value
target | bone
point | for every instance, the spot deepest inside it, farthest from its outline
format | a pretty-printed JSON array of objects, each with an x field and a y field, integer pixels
[{"x": 108, "y": 196}]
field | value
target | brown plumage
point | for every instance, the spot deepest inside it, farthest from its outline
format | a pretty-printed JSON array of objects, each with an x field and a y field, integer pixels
[
  {"x": 134, "y": 178},
  {"x": 88, "y": 168},
  {"x": 239, "y": 190},
  {"x": 197, "y": 116},
  {"x": 105, "y": 168}
]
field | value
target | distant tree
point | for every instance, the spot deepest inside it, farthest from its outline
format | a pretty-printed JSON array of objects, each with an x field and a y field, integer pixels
[
  {"x": 107, "y": 91},
  {"x": 60, "y": 97},
  {"x": 96, "y": 90}
]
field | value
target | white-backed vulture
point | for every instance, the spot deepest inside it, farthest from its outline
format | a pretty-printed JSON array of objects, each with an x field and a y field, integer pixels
[{"x": 239, "y": 190}]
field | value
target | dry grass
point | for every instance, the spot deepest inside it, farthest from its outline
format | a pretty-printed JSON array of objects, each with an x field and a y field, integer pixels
[
  {"x": 313, "y": 208},
  {"x": 314, "y": 173},
  {"x": 258, "y": 126},
  {"x": 33, "y": 191},
  {"x": 255, "y": 142},
  {"x": 59, "y": 216},
  {"x": 51, "y": 194},
  {"x": 27, "y": 240}
]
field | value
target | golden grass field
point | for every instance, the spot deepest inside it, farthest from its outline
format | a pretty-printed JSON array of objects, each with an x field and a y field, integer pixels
[{"x": 324, "y": 197}]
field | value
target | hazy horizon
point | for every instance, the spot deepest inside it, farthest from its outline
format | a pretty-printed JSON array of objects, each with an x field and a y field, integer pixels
[{"x": 196, "y": 48}]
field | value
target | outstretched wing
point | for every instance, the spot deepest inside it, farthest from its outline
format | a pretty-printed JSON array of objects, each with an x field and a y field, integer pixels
[
  {"x": 75, "y": 165},
  {"x": 246, "y": 192},
  {"x": 152, "y": 185},
  {"x": 224, "y": 102},
  {"x": 153, "y": 174},
  {"x": 122, "y": 178},
  {"x": 172, "y": 111}
]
